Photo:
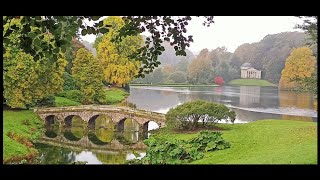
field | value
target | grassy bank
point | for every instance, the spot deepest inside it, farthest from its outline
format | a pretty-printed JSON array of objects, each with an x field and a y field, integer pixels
[
  {"x": 251, "y": 82},
  {"x": 263, "y": 142},
  {"x": 20, "y": 127},
  {"x": 176, "y": 85},
  {"x": 111, "y": 96},
  {"x": 116, "y": 95},
  {"x": 61, "y": 101}
]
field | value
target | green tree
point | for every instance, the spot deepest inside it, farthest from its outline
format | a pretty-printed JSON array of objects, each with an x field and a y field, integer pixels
[
  {"x": 27, "y": 81},
  {"x": 87, "y": 74}
]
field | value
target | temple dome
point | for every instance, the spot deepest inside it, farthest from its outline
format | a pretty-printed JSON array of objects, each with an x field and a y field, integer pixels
[{"x": 246, "y": 65}]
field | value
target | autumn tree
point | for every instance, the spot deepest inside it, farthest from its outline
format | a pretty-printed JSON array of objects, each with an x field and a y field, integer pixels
[
  {"x": 87, "y": 74},
  {"x": 116, "y": 56},
  {"x": 200, "y": 69},
  {"x": 218, "y": 80},
  {"x": 300, "y": 64}
]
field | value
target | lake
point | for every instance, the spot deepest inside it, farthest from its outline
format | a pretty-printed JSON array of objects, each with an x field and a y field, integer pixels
[{"x": 250, "y": 103}]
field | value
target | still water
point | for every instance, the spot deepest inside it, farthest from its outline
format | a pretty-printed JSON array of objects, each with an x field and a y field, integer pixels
[
  {"x": 250, "y": 103},
  {"x": 102, "y": 145}
]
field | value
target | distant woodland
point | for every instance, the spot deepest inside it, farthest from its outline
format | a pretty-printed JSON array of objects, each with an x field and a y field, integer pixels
[{"x": 268, "y": 55}]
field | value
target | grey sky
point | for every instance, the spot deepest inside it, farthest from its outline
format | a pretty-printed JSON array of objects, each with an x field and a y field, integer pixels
[{"x": 232, "y": 31}]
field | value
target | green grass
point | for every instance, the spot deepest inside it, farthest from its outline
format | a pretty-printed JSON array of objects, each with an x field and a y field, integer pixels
[
  {"x": 177, "y": 85},
  {"x": 263, "y": 142},
  {"x": 112, "y": 96},
  {"x": 251, "y": 82},
  {"x": 22, "y": 123},
  {"x": 115, "y": 95},
  {"x": 61, "y": 101}
]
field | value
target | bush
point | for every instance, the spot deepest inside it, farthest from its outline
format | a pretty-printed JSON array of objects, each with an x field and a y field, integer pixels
[
  {"x": 101, "y": 97},
  {"x": 47, "y": 101},
  {"x": 74, "y": 95},
  {"x": 172, "y": 151},
  {"x": 188, "y": 115}
]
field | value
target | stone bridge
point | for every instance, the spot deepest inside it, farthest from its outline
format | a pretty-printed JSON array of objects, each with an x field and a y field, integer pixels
[{"x": 89, "y": 114}]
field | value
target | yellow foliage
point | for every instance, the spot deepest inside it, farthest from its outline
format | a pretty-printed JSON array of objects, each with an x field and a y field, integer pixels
[
  {"x": 118, "y": 68},
  {"x": 300, "y": 63},
  {"x": 26, "y": 81}
]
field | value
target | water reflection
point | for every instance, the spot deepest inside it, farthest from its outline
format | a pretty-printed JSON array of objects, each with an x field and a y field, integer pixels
[
  {"x": 250, "y": 103},
  {"x": 102, "y": 145},
  {"x": 50, "y": 154}
]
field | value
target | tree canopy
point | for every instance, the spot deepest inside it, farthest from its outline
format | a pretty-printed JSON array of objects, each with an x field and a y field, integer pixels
[{"x": 64, "y": 28}]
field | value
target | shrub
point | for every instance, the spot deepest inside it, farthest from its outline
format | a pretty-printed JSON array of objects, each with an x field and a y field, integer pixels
[
  {"x": 172, "y": 151},
  {"x": 47, "y": 101},
  {"x": 74, "y": 95},
  {"x": 188, "y": 115}
]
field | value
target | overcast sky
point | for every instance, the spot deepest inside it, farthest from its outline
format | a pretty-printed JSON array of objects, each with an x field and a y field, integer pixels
[{"x": 232, "y": 31}]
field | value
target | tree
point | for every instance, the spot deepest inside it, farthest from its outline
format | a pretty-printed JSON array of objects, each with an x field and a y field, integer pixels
[
  {"x": 87, "y": 74},
  {"x": 310, "y": 25},
  {"x": 157, "y": 76},
  {"x": 71, "y": 53},
  {"x": 188, "y": 115},
  {"x": 178, "y": 77},
  {"x": 64, "y": 28},
  {"x": 26, "y": 81},
  {"x": 300, "y": 64},
  {"x": 200, "y": 69},
  {"x": 118, "y": 67},
  {"x": 218, "y": 80}
]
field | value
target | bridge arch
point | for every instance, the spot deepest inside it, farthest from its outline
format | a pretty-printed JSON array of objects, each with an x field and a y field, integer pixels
[
  {"x": 121, "y": 124},
  {"x": 50, "y": 120},
  {"x": 153, "y": 124},
  {"x": 107, "y": 124},
  {"x": 68, "y": 119}
]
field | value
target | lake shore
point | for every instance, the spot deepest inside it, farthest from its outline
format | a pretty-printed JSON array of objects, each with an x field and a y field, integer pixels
[{"x": 177, "y": 85}]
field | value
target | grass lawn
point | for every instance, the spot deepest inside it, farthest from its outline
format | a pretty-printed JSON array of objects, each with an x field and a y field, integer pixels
[
  {"x": 264, "y": 142},
  {"x": 177, "y": 85},
  {"x": 19, "y": 128},
  {"x": 115, "y": 95},
  {"x": 61, "y": 101},
  {"x": 251, "y": 82}
]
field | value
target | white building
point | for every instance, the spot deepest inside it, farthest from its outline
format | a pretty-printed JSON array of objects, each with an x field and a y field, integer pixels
[{"x": 249, "y": 72}]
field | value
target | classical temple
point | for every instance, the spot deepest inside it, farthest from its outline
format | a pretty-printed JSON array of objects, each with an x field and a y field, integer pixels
[{"x": 249, "y": 72}]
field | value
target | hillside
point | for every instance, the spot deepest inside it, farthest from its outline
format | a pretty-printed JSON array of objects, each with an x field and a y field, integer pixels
[{"x": 269, "y": 54}]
